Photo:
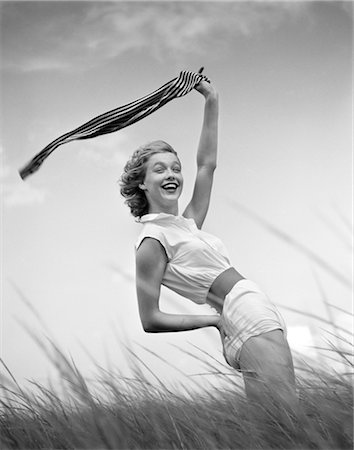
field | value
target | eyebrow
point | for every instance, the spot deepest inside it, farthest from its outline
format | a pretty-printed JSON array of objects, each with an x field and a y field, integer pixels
[{"x": 164, "y": 164}]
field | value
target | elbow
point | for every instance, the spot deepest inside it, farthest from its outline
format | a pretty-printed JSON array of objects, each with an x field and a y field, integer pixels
[
  {"x": 212, "y": 167},
  {"x": 149, "y": 329},
  {"x": 149, "y": 325},
  {"x": 208, "y": 167}
]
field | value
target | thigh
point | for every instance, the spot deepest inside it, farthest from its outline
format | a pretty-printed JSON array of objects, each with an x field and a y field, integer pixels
[
  {"x": 268, "y": 373},
  {"x": 268, "y": 356}
]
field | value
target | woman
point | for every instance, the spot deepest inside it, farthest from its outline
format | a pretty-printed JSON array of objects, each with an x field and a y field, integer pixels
[{"x": 173, "y": 251}]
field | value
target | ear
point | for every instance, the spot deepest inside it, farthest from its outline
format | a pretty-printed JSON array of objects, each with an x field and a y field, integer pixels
[{"x": 142, "y": 187}]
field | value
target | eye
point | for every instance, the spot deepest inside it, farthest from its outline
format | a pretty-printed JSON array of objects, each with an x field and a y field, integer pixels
[{"x": 177, "y": 169}]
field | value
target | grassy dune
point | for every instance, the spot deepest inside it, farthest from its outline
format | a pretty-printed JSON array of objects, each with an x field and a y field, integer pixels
[{"x": 121, "y": 413}]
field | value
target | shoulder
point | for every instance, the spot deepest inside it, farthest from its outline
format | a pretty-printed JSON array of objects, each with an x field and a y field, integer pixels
[
  {"x": 150, "y": 247},
  {"x": 153, "y": 235},
  {"x": 151, "y": 256},
  {"x": 149, "y": 229}
]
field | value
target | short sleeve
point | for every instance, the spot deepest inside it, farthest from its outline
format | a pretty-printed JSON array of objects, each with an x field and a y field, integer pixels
[{"x": 155, "y": 233}]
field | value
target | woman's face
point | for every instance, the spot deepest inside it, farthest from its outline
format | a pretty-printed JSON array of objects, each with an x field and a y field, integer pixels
[{"x": 163, "y": 181}]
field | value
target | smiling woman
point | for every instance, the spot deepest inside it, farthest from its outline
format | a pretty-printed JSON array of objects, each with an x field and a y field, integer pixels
[
  {"x": 173, "y": 251},
  {"x": 148, "y": 162},
  {"x": 163, "y": 182}
]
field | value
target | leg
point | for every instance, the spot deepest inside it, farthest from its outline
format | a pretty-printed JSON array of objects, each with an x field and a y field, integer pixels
[{"x": 268, "y": 372}]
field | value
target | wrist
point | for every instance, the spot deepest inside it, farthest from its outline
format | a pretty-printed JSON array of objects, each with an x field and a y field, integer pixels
[
  {"x": 211, "y": 96},
  {"x": 215, "y": 319}
]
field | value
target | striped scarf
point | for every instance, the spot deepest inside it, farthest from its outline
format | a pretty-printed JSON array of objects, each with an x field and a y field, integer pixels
[{"x": 120, "y": 117}]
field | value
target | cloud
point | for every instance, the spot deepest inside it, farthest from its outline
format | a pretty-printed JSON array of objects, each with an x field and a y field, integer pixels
[
  {"x": 107, "y": 151},
  {"x": 14, "y": 191},
  {"x": 68, "y": 35},
  {"x": 19, "y": 194},
  {"x": 348, "y": 7}
]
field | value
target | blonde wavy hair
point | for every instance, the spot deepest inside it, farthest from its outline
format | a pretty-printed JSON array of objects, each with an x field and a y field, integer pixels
[{"x": 134, "y": 175}]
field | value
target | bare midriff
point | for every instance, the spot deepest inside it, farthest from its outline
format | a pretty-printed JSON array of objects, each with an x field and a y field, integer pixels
[{"x": 221, "y": 286}]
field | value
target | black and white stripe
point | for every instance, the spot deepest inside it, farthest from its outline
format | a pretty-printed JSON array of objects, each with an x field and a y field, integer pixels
[{"x": 120, "y": 117}]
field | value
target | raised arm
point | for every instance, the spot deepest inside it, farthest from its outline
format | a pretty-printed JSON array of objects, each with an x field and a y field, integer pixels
[
  {"x": 150, "y": 266},
  {"x": 206, "y": 156}
]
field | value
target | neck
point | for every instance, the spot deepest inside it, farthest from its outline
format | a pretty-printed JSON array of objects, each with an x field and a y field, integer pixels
[
  {"x": 156, "y": 209},
  {"x": 174, "y": 212}
]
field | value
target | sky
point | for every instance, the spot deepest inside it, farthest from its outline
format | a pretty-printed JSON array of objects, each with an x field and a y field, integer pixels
[{"x": 283, "y": 187}]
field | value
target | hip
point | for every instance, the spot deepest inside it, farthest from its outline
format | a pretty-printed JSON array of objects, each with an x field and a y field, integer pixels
[{"x": 221, "y": 287}]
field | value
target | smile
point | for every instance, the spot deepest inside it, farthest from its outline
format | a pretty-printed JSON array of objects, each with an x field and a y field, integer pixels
[{"x": 170, "y": 186}]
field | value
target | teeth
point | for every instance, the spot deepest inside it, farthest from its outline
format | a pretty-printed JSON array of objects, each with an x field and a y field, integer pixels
[{"x": 170, "y": 185}]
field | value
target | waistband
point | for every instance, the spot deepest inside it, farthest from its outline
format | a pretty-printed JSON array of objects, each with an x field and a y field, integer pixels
[{"x": 241, "y": 287}]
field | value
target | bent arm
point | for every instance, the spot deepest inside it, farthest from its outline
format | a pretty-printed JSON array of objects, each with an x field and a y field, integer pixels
[
  {"x": 151, "y": 262},
  {"x": 206, "y": 156}
]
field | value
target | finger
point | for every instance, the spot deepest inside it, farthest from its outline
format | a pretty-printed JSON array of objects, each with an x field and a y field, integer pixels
[{"x": 205, "y": 78}]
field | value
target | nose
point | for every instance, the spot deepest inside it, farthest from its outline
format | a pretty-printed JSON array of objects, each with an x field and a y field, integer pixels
[{"x": 170, "y": 173}]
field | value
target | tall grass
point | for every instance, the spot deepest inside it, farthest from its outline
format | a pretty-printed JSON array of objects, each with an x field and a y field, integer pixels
[{"x": 117, "y": 412}]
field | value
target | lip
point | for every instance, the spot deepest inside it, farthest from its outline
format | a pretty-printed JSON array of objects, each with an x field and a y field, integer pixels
[{"x": 173, "y": 184}]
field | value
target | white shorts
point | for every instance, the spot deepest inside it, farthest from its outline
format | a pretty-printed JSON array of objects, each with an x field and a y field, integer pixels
[{"x": 247, "y": 312}]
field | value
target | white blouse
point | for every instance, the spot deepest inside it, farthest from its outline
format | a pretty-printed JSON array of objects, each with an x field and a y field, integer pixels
[{"x": 195, "y": 258}]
